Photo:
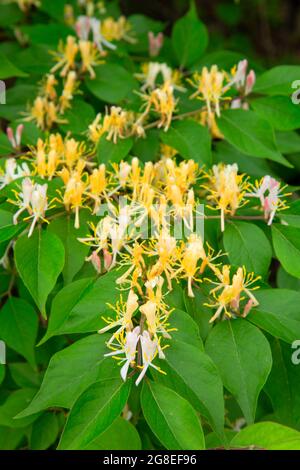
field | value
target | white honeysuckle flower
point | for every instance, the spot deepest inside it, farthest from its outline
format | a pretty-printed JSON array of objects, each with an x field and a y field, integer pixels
[
  {"x": 85, "y": 24},
  {"x": 39, "y": 204},
  {"x": 24, "y": 198},
  {"x": 240, "y": 75},
  {"x": 128, "y": 346},
  {"x": 150, "y": 350},
  {"x": 98, "y": 38},
  {"x": 269, "y": 193},
  {"x": 243, "y": 81},
  {"x": 83, "y": 27},
  {"x": 151, "y": 73},
  {"x": 13, "y": 171},
  {"x": 32, "y": 198}
]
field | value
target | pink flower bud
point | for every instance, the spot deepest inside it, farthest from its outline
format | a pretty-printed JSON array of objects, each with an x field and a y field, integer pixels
[
  {"x": 235, "y": 303},
  {"x": 19, "y": 132},
  {"x": 11, "y": 138},
  {"x": 236, "y": 103},
  {"x": 96, "y": 262},
  {"x": 248, "y": 307},
  {"x": 155, "y": 43},
  {"x": 250, "y": 81}
]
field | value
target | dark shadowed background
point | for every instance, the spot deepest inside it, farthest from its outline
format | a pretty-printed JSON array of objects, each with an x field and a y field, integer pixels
[{"x": 266, "y": 29}]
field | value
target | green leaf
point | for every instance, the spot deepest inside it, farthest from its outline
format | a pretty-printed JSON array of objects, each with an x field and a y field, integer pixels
[
  {"x": 269, "y": 436},
  {"x": 199, "y": 311},
  {"x": 10, "y": 438},
  {"x": 247, "y": 245},
  {"x": 148, "y": 147},
  {"x": 189, "y": 39},
  {"x": 8, "y": 69},
  {"x": 226, "y": 153},
  {"x": 186, "y": 328},
  {"x": 5, "y": 145},
  {"x": 94, "y": 411},
  {"x": 171, "y": 418},
  {"x": 195, "y": 377},
  {"x": 112, "y": 83},
  {"x": 278, "y": 313},
  {"x": 80, "y": 306},
  {"x": 19, "y": 326},
  {"x": 44, "y": 432},
  {"x": 16, "y": 99},
  {"x": 75, "y": 252},
  {"x": 78, "y": 117},
  {"x": 190, "y": 139},
  {"x": 39, "y": 260},
  {"x": 288, "y": 142},
  {"x": 16, "y": 402},
  {"x": 2, "y": 373},
  {"x": 286, "y": 281},
  {"x": 291, "y": 215},
  {"x": 225, "y": 59},
  {"x": 10, "y": 14},
  {"x": 55, "y": 9},
  {"x": 243, "y": 357},
  {"x": 120, "y": 435},
  {"x": 250, "y": 134},
  {"x": 35, "y": 60},
  {"x": 278, "y": 80},
  {"x": 282, "y": 386},
  {"x": 286, "y": 243},
  {"x": 279, "y": 111},
  {"x": 70, "y": 372},
  {"x": 107, "y": 151},
  {"x": 50, "y": 36},
  {"x": 11, "y": 231},
  {"x": 24, "y": 375}
]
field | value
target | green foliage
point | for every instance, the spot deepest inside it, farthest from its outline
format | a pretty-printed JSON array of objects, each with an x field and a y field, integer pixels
[
  {"x": 39, "y": 261},
  {"x": 250, "y": 134},
  {"x": 243, "y": 357},
  {"x": 248, "y": 246},
  {"x": 94, "y": 411},
  {"x": 190, "y": 139},
  {"x": 180, "y": 430},
  {"x": 189, "y": 39}
]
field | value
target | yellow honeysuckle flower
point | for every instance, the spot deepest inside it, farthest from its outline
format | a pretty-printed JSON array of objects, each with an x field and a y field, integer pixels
[
  {"x": 124, "y": 311},
  {"x": 230, "y": 297},
  {"x": 75, "y": 188},
  {"x": 227, "y": 189},
  {"x": 66, "y": 56},
  {"x": 69, "y": 89},
  {"x": 209, "y": 86},
  {"x": 90, "y": 57},
  {"x": 48, "y": 88},
  {"x": 116, "y": 30},
  {"x": 162, "y": 101}
]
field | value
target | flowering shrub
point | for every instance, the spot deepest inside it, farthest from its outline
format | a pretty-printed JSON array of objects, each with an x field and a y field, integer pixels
[{"x": 149, "y": 245}]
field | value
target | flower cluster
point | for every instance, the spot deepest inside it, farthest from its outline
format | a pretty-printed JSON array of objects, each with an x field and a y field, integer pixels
[{"x": 146, "y": 218}]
